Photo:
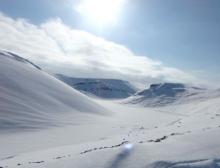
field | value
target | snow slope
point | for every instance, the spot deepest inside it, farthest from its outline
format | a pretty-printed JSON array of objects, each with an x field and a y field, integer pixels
[
  {"x": 31, "y": 98},
  {"x": 170, "y": 94},
  {"x": 103, "y": 88}
]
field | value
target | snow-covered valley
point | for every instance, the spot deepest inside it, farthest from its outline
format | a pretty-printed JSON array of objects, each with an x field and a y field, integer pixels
[{"x": 47, "y": 124}]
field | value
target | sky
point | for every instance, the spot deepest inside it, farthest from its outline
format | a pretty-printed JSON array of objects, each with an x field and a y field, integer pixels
[{"x": 175, "y": 40}]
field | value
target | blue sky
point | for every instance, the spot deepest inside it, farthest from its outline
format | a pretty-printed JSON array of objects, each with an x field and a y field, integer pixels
[{"x": 184, "y": 34}]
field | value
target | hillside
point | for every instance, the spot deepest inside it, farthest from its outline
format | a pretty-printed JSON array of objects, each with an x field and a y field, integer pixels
[{"x": 31, "y": 98}]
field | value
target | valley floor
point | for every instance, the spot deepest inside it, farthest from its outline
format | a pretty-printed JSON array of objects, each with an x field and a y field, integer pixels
[{"x": 129, "y": 137}]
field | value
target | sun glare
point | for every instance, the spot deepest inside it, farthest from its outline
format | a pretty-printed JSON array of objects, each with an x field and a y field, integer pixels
[{"x": 100, "y": 12}]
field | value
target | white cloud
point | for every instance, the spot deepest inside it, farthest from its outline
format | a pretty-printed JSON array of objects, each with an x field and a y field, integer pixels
[{"x": 60, "y": 49}]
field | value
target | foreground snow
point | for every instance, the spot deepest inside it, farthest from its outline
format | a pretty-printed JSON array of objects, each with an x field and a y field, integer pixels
[{"x": 132, "y": 137}]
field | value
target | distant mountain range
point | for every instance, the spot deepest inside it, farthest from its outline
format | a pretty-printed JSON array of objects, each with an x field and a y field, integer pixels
[
  {"x": 156, "y": 95},
  {"x": 103, "y": 88}
]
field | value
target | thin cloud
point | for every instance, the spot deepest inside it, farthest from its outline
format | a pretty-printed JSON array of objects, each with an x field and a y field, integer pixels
[{"x": 58, "y": 48}]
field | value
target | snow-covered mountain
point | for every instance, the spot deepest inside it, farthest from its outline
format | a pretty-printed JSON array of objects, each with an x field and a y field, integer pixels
[
  {"x": 31, "y": 98},
  {"x": 171, "y": 93},
  {"x": 103, "y": 88}
]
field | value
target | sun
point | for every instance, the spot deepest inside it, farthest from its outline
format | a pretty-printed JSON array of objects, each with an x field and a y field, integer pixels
[{"x": 102, "y": 12}]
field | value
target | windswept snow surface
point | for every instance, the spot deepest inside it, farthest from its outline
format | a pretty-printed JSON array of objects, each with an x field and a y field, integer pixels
[
  {"x": 172, "y": 136},
  {"x": 31, "y": 98}
]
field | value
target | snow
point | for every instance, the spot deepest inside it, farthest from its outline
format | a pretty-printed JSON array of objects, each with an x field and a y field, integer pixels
[{"x": 176, "y": 135}]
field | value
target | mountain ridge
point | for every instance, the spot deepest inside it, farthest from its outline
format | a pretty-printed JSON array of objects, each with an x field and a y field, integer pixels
[{"x": 163, "y": 94}]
